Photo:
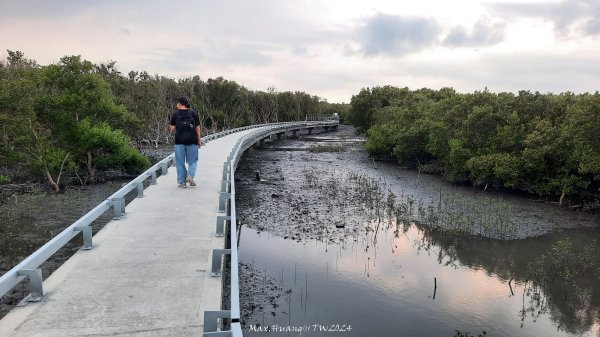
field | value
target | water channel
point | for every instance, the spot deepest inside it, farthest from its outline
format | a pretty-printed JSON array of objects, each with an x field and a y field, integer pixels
[{"x": 325, "y": 262}]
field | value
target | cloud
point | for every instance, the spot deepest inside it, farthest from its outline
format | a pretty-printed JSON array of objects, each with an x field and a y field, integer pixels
[
  {"x": 385, "y": 34},
  {"x": 44, "y": 9},
  {"x": 578, "y": 17},
  {"x": 592, "y": 26},
  {"x": 34, "y": 8},
  {"x": 483, "y": 33},
  {"x": 243, "y": 53},
  {"x": 545, "y": 73},
  {"x": 186, "y": 59},
  {"x": 290, "y": 25},
  {"x": 535, "y": 71},
  {"x": 329, "y": 48}
]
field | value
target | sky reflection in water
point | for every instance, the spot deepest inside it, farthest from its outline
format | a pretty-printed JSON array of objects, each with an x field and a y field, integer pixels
[{"x": 387, "y": 289}]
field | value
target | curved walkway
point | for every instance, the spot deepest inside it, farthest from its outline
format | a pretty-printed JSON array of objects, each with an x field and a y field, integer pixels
[{"x": 148, "y": 274}]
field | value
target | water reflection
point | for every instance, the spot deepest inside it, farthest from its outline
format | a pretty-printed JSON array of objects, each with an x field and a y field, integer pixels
[{"x": 389, "y": 288}]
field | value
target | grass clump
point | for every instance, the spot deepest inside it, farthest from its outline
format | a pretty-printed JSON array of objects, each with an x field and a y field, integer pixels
[{"x": 327, "y": 148}]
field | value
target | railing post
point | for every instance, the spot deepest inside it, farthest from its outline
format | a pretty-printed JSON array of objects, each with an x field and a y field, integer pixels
[
  {"x": 164, "y": 167},
  {"x": 153, "y": 178},
  {"x": 210, "y": 322},
  {"x": 140, "y": 189},
  {"x": 216, "y": 261},
  {"x": 35, "y": 283},
  {"x": 225, "y": 186},
  {"x": 221, "y": 222},
  {"x": 86, "y": 232},
  {"x": 118, "y": 205},
  {"x": 226, "y": 170},
  {"x": 223, "y": 197}
]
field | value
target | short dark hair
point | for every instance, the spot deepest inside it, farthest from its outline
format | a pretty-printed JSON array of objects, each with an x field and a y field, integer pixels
[{"x": 184, "y": 101}]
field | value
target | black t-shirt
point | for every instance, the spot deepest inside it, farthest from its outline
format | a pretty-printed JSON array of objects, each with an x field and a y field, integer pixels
[{"x": 185, "y": 121}]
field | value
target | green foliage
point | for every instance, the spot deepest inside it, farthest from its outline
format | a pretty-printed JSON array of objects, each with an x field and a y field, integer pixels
[
  {"x": 456, "y": 160},
  {"x": 364, "y": 105},
  {"x": 564, "y": 268},
  {"x": 582, "y": 123},
  {"x": 380, "y": 140},
  {"x": 326, "y": 148},
  {"x": 18, "y": 86},
  {"x": 497, "y": 169},
  {"x": 542, "y": 144},
  {"x": 563, "y": 262},
  {"x": 217, "y": 117},
  {"x": 57, "y": 117},
  {"x": 110, "y": 147},
  {"x": 85, "y": 116},
  {"x": 4, "y": 179}
]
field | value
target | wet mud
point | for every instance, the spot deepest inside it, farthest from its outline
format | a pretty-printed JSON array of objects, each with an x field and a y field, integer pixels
[
  {"x": 314, "y": 188},
  {"x": 30, "y": 220},
  {"x": 259, "y": 293}
]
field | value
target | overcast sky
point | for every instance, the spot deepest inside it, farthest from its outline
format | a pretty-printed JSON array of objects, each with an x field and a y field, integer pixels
[{"x": 328, "y": 48}]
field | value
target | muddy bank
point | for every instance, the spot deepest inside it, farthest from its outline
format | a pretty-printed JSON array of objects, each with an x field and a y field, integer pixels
[
  {"x": 315, "y": 186},
  {"x": 260, "y": 294},
  {"x": 30, "y": 220}
]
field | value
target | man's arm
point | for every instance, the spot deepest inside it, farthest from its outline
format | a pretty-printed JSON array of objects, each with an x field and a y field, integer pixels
[
  {"x": 172, "y": 122},
  {"x": 197, "y": 120},
  {"x": 199, "y": 138}
]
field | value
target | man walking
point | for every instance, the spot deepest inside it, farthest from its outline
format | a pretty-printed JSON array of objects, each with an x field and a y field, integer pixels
[{"x": 186, "y": 124}]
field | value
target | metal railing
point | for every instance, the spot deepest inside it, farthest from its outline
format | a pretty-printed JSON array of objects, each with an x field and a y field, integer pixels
[
  {"x": 30, "y": 267},
  {"x": 228, "y": 207}
]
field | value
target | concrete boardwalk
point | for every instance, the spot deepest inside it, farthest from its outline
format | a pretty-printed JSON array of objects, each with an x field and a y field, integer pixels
[{"x": 148, "y": 273}]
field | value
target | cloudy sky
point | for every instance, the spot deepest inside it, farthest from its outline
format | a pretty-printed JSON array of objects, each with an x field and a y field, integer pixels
[{"x": 328, "y": 48}]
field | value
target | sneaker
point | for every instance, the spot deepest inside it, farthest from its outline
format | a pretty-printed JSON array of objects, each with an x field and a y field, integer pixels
[
  {"x": 190, "y": 180},
  {"x": 182, "y": 185}
]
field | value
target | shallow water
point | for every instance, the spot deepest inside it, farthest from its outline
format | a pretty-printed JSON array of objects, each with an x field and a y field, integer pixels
[
  {"x": 389, "y": 288},
  {"x": 392, "y": 277}
]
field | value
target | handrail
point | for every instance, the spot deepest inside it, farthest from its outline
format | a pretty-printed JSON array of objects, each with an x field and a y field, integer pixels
[
  {"x": 229, "y": 190},
  {"x": 30, "y": 266},
  {"x": 234, "y": 272}
]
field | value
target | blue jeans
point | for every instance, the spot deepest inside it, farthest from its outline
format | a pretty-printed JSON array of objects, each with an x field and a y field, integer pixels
[{"x": 185, "y": 153}]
